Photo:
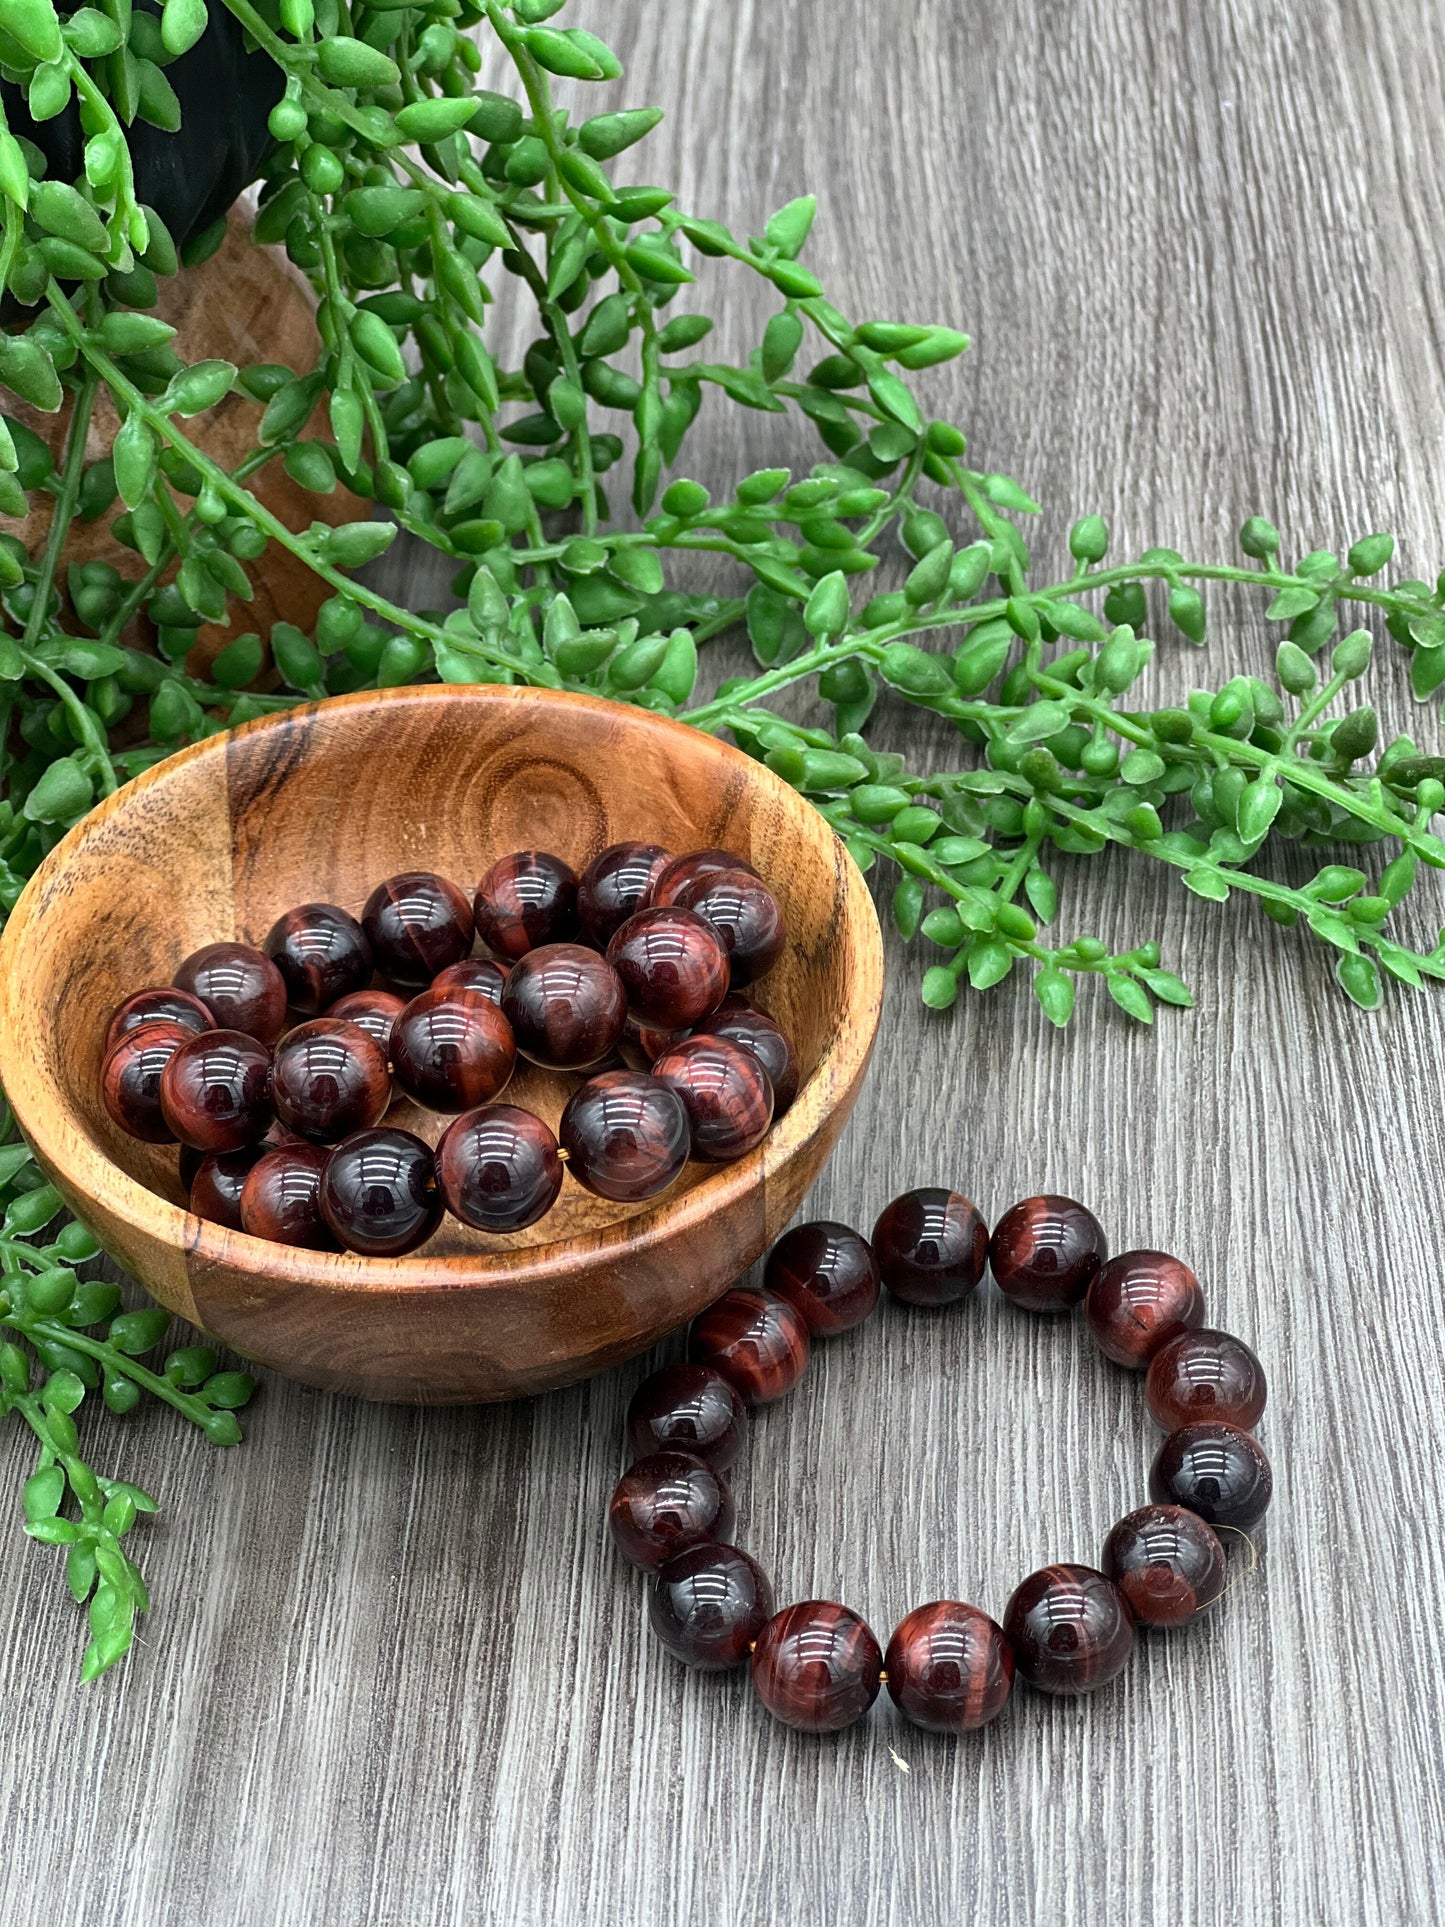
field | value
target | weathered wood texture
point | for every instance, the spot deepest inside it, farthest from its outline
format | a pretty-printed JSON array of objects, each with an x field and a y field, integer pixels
[{"x": 396, "y": 1676}]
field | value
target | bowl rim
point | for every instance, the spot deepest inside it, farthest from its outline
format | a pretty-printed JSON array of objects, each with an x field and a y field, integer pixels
[{"x": 63, "y": 1148}]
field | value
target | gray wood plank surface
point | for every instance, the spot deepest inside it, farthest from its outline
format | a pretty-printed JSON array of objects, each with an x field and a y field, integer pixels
[{"x": 396, "y": 1675}]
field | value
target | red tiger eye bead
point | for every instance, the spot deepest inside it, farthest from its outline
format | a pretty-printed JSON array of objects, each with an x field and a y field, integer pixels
[
  {"x": 417, "y": 924},
  {"x": 379, "y": 1193},
  {"x": 474, "y": 973},
  {"x": 672, "y": 965},
  {"x": 498, "y": 1168},
  {"x": 130, "y": 1079},
  {"x": 949, "y": 1667},
  {"x": 1045, "y": 1252},
  {"x": 163, "y": 1004},
  {"x": 374, "y": 1011},
  {"x": 709, "y": 1605},
  {"x": 745, "y": 914},
  {"x": 526, "y": 899},
  {"x": 452, "y": 1049},
  {"x": 756, "y": 1032},
  {"x": 616, "y": 884},
  {"x": 215, "y": 1189},
  {"x": 1137, "y": 1302},
  {"x": 321, "y": 952},
  {"x": 691, "y": 1407},
  {"x": 931, "y": 1246},
  {"x": 1216, "y": 1470},
  {"x": 625, "y": 1134},
  {"x": 240, "y": 986},
  {"x": 816, "y": 1666},
  {"x": 566, "y": 1006},
  {"x": 1205, "y": 1374},
  {"x": 756, "y": 1340},
  {"x": 1070, "y": 1628},
  {"x": 280, "y": 1199},
  {"x": 828, "y": 1273},
  {"x": 328, "y": 1079},
  {"x": 725, "y": 1092},
  {"x": 667, "y": 1503},
  {"x": 1166, "y": 1562},
  {"x": 216, "y": 1090},
  {"x": 684, "y": 870}
]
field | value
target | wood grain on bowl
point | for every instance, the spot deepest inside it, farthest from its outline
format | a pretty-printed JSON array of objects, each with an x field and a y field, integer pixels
[{"x": 319, "y": 805}]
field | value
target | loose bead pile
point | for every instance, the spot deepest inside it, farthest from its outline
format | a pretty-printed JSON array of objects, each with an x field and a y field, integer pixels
[
  {"x": 635, "y": 963},
  {"x": 948, "y": 1666}
]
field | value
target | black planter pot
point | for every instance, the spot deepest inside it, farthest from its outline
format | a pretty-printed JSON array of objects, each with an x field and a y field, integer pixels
[{"x": 190, "y": 177}]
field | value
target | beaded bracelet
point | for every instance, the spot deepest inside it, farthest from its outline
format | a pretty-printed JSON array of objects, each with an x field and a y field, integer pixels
[{"x": 949, "y": 1667}]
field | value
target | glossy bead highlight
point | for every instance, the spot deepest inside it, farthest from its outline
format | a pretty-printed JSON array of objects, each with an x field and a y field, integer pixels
[
  {"x": 130, "y": 1079},
  {"x": 625, "y": 1134},
  {"x": 757, "y": 1032},
  {"x": 217, "y": 1182},
  {"x": 746, "y": 915},
  {"x": 1139, "y": 1301},
  {"x": 498, "y": 1168},
  {"x": 684, "y": 870},
  {"x": 816, "y": 1666},
  {"x": 417, "y": 924},
  {"x": 757, "y": 1341},
  {"x": 375, "y": 1011},
  {"x": 452, "y": 1049},
  {"x": 239, "y": 985},
  {"x": 280, "y": 1198},
  {"x": 1167, "y": 1563},
  {"x": 691, "y": 1407},
  {"x": 1045, "y": 1252},
  {"x": 566, "y": 1006},
  {"x": 617, "y": 884},
  {"x": 321, "y": 953},
  {"x": 474, "y": 973},
  {"x": 328, "y": 1079},
  {"x": 526, "y": 899},
  {"x": 672, "y": 965},
  {"x": 667, "y": 1503},
  {"x": 931, "y": 1246},
  {"x": 379, "y": 1193},
  {"x": 1070, "y": 1628},
  {"x": 709, "y": 1605},
  {"x": 1216, "y": 1470},
  {"x": 949, "y": 1667},
  {"x": 725, "y": 1092},
  {"x": 216, "y": 1090},
  {"x": 828, "y": 1273},
  {"x": 163, "y": 1004},
  {"x": 1203, "y": 1375}
]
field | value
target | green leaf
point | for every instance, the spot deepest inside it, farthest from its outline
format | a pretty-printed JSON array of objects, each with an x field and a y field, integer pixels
[
  {"x": 1038, "y": 721},
  {"x": 1130, "y": 996},
  {"x": 789, "y": 228},
  {"x": 1359, "y": 979},
  {"x": 1290, "y": 603},
  {"x": 43, "y": 1493},
  {"x": 989, "y": 961},
  {"x": 1168, "y": 988},
  {"x": 939, "y": 988},
  {"x": 1054, "y": 989},
  {"x": 63, "y": 792}
]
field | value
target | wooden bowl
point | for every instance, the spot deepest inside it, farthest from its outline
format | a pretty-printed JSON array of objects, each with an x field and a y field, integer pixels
[{"x": 323, "y": 803}]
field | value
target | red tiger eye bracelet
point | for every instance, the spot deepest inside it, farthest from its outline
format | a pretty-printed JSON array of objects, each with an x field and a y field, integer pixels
[{"x": 948, "y": 1667}]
